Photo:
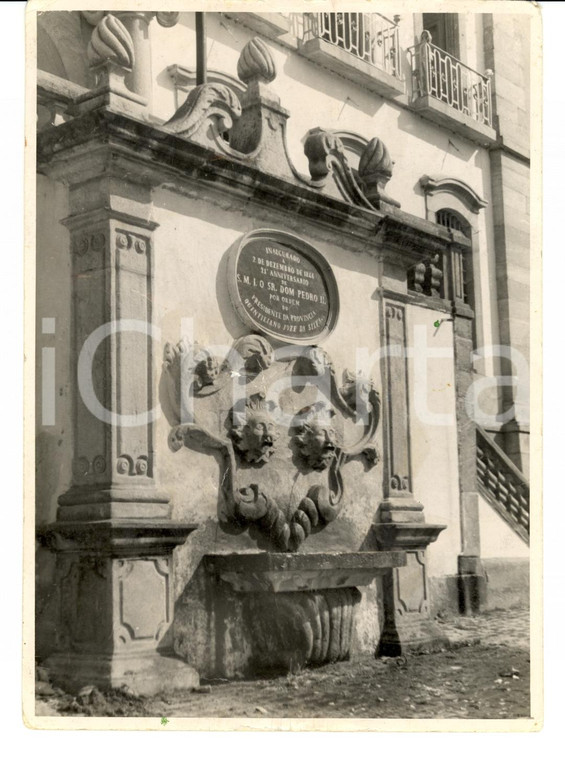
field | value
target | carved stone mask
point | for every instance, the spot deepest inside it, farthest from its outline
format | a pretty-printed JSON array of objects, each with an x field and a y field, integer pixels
[
  {"x": 317, "y": 444},
  {"x": 206, "y": 371},
  {"x": 254, "y": 435}
]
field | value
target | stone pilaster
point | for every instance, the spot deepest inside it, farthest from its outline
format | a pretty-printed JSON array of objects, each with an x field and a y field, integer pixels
[
  {"x": 472, "y": 585},
  {"x": 400, "y": 520},
  {"x": 115, "y": 604},
  {"x": 113, "y": 535},
  {"x": 112, "y": 261}
]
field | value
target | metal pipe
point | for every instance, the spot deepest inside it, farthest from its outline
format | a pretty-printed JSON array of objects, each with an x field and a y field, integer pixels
[{"x": 201, "y": 72}]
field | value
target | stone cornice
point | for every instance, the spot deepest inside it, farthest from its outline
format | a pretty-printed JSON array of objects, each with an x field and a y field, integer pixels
[{"x": 104, "y": 141}]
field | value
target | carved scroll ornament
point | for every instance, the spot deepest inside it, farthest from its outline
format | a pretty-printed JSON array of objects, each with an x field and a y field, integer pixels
[{"x": 254, "y": 430}]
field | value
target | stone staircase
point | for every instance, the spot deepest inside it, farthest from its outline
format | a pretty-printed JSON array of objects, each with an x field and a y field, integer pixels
[{"x": 502, "y": 485}]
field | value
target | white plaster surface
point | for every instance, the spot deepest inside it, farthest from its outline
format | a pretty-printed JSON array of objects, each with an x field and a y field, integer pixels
[{"x": 498, "y": 540}]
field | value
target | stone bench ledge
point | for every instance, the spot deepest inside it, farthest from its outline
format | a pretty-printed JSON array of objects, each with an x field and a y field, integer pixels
[{"x": 281, "y": 572}]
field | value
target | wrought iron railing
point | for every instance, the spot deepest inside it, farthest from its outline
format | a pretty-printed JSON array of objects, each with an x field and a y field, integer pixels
[
  {"x": 503, "y": 485},
  {"x": 444, "y": 77},
  {"x": 371, "y": 37}
]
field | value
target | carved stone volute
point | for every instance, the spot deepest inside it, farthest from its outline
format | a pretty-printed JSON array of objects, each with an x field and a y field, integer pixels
[
  {"x": 319, "y": 146},
  {"x": 329, "y": 167},
  {"x": 209, "y": 111}
]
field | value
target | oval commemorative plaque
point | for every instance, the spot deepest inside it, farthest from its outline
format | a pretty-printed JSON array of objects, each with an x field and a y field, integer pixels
[{"x": 283, "y": 287}]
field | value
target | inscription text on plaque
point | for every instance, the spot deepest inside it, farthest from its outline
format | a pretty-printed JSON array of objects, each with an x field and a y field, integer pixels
[{"x": 283, "y": 287}]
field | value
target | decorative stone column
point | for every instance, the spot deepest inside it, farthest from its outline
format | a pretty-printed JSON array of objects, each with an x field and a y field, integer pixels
[
  {"x": 401, "y": 524},
  {"x": 113, "y": 534}
]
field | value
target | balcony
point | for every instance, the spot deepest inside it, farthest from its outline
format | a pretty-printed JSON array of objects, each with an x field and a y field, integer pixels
[
  {"x": 450, "y": 93},
  {"x": 362, "y": 47}
]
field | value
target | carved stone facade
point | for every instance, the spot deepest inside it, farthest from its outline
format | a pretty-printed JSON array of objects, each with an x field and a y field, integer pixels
[
  {"x": 273, "y": 438},
  {"x": 229, "y": 511}
]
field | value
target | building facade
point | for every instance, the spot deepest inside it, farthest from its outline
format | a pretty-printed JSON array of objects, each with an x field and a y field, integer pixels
[{"x": 283, "y": 269}]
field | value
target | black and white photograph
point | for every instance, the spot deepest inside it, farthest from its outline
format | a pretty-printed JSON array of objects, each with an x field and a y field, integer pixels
[{"x": 284, "y": 356}]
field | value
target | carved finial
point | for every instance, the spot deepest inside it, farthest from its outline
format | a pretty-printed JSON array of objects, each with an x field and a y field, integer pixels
[
  {"x": 167, "y": 18},
  {"x": 256, "y": 62},
  {"x": 375, "y": 170},
  {"x": 375, "y": 158},
  {"x": 111, "y": 42}
]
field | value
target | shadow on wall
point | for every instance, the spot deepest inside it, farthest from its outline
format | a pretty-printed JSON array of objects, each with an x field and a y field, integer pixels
[
  {"x": 62, "y": 39},
  {"x": 435, "y": 137},
  {"x": 46, "y": 603},
  {"x": 49, "y": 461}
]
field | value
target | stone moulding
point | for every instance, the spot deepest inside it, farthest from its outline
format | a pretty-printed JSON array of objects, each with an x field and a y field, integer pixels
[
  {"x": 258, "y": 134},
  {"x": 254, "y": 502},
  {"x": 456, "y": 187},
  {"x": 282, "y": 572},
  {"x": 154, "y": 156}
]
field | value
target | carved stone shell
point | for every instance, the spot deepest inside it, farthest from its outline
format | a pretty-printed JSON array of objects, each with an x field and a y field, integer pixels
[
  {"x": 112, "y": 42},
  {"x": 256, "y": 62},
  {"x": 375, "y": 159}
]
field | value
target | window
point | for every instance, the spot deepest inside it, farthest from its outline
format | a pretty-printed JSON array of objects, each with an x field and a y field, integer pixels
[
  {"x": 462, "y": 262},
  {"x": 444, "y": 29}
]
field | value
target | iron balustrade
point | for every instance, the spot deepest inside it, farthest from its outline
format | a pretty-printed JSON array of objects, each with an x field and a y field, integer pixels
[
  {"x": 371, "y": 37},
  {"x": 502, "y": 484},
  {"x": 442, "y": 76}
]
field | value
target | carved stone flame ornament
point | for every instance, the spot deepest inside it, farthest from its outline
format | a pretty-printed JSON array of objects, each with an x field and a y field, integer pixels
[
  {"x": 256, "y": 62},
  {"x": 111, "y": 42},
  {"x": 267, "y": 442}
]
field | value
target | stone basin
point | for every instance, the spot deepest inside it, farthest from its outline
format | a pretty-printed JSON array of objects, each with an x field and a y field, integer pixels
[{"x": 277, "y": 572}]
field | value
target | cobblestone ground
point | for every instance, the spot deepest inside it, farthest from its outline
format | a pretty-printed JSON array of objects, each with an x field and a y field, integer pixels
[{"x": 485, "y": 674}]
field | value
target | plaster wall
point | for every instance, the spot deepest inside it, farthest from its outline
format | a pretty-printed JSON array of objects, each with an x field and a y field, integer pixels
[
  {"x": 417, "y": 146},
  {"x": 498, "y": 540},
  {"x": 192, "y": 240},
  {"x": 433, "y": 433}
]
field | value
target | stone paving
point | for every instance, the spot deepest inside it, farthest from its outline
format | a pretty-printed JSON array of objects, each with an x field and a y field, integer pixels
[{"x": 484, "y": 675}]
